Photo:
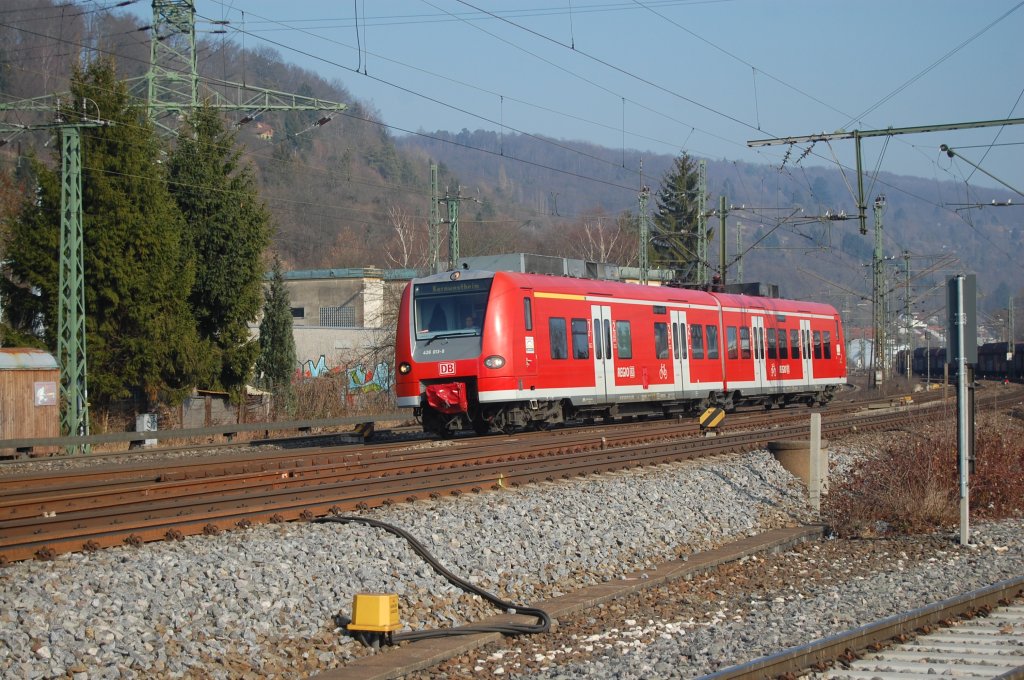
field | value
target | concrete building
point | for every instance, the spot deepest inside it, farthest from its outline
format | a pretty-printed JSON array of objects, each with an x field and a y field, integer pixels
[{"x": 343, "y": 319}]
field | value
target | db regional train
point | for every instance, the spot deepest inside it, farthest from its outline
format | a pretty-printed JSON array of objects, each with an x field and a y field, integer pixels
[{"x": 482, "y": 351}]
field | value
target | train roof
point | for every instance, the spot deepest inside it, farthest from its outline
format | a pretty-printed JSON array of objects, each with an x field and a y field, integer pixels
[{"x": 604, "y": 287}]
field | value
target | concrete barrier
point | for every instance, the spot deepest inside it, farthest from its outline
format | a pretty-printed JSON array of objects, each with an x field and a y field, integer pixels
[{"x": 795, "y": 456}]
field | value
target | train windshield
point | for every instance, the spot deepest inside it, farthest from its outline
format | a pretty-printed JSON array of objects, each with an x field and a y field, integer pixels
[{"x": 450, "y": 308}]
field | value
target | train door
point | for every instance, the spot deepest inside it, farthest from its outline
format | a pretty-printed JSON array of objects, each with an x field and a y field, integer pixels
[
  {"x": 679, "y": 351},
  {"x": 604, "y": 365},
  {"x": 805, "y": 355},
  {"x": 757, "y": 351},
  {"x": 526, "y": 350}
]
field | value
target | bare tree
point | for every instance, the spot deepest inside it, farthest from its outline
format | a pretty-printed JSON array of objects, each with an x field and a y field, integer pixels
[
  {"x": 408, "y": 246},
  {"x": 599, "y": 238}
]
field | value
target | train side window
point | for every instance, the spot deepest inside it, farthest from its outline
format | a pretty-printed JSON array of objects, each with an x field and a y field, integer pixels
[
  {"x": 817, "y": 344},
  {"x": 607, "y": 339},
  {"x": 580, "y": 342},
  {"x": 794, "y": 341},
  {"x": 697, "y": 341},
  {"x": 682, "y": 340},
  {"x": 826, "y": 338},
  {"x": 712, "y": 332},
  {"x": 660, "y": 340},
  {"x": 783, "y": 349},
  {"x": 730, "y": 342},
  {"x": 773, "y": 352},
  {"x": 528, "y": 313},
  {"x": 557, "y": 338},
  {"x": 744, "y": 342},
  {"x": 675, "y": 340},
  {"x": 624, "y": 339},
  {"x": 598, "y": 354}
]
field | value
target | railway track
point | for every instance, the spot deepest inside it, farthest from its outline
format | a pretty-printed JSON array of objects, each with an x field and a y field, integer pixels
[
  {"x": 84, "y": 510},
  {"x": 979, "y": 634}
]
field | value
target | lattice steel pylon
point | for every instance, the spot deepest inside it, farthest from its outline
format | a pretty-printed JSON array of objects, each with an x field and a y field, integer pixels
[
  {"x": 172, "y": 81},
  {"x": 171, "y": 88},
  {"x": 71, "y": 355},
  {"x": 702, "y": 222}
]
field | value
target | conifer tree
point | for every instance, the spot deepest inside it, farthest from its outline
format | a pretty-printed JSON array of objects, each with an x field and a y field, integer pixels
[
  {"x": 141, "y": 340},
  {"x": 227, "y": 229},
  {"x": 676, "y": 226},
  {"x": 277, "y": 360}
]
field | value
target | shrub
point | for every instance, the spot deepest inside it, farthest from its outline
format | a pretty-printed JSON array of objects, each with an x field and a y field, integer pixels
[{"x": 911, "y": 485}]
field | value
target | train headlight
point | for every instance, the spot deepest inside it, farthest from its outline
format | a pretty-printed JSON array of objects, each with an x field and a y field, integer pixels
[
  {"x": 404, "y": 367},
  {"x": 494, "y": 361}
]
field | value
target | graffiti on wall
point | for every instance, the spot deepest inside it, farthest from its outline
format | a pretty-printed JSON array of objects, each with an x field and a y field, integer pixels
[
  {"x": 360, "y": 378},
  {"x": 377, "y": 379},
  {"x": 311, "y": 369}
]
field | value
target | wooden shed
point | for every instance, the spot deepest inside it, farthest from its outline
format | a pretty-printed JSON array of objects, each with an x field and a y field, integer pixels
[{"x": 29, "y": 397}]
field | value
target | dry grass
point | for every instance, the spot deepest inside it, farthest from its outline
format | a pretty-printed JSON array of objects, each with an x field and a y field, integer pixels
[{"x": 912, "y": 484}]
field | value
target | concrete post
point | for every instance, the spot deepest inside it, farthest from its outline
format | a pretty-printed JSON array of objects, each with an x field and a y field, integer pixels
[{"x": 815, "y": 471}]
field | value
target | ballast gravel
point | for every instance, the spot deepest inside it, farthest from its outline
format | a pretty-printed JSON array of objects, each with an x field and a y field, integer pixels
[{"x": 261, "y": 602}]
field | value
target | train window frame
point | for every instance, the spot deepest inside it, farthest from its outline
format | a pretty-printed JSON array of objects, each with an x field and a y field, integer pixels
[
  {"x": 607, "y": 338},
  {"x": 623, "y": 339},
  {"x": 558, "y": 341},
  {"x": 744, "y": 342},
  {"x": 783, "y": 348},
  {"x": 661, "y": 340},
  {"x": 731, "y": 343},
  {"x": 528, "y": 313},
  {"x": 580, "y": 330},
  {"x": 711, "y": 335},
  {"x": 598, "y": 354},
  {"x": 826, "y": 344},
  {"x": 794, "y": 342},
  {"x": 817, "y": 344},
  {"x": 675, "y": 340},
  {"x": 696, "y": 341},
  {"x": 772, "y": 343}
]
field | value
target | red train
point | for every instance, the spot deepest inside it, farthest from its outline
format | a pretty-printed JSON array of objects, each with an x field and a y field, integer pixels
[{"x": 480, "y": 350}]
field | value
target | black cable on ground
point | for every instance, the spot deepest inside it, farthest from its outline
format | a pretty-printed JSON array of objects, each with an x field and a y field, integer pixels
[{"x": 543, "y": 620}]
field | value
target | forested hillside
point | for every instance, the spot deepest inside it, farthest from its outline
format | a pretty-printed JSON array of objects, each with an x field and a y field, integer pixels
[{"x": 353, "y": 192}]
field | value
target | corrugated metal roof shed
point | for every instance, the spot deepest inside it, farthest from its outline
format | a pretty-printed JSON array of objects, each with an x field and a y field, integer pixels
[
  {"x": 20, "y": 358},
  {"x": 29, "y": 397}
]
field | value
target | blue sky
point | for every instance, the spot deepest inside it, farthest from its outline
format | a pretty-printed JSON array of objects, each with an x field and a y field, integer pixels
[{"x": 704, "y": 76}]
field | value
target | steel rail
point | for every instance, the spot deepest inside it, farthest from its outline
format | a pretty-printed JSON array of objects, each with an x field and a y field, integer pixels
[
  {"x": 295, "y": 496},
  {"x": 833, "y": 650}
]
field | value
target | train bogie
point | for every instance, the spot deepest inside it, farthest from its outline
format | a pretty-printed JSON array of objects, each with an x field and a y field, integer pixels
[{"x": 536, "y": 350}]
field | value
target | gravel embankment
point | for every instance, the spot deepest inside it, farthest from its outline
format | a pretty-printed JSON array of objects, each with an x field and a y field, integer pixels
[{"x": 259, "y": 603}]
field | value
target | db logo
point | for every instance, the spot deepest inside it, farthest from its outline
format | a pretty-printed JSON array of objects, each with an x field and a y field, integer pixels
[{"x": 446, "y": 368}]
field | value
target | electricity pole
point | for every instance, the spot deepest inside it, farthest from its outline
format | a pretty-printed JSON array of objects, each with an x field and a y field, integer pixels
[
  {"x": 906, "y": 311},
  {"x": 171, "y": 86},
  {"x": 435, "y": 224},
  {"x": 721, "y": 239},
  {"x": 856, "y": 136},
  {"x": 645, "y": 231},
  {"x": 878, "y": 298},
  {"x": 702, "y": 223},
  {"x": 71, "y": 347},
  {"x": 453, "y": 224}
]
